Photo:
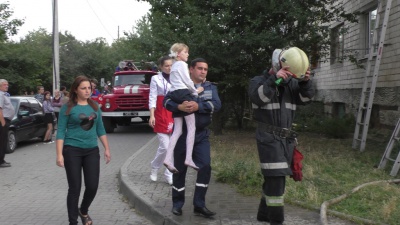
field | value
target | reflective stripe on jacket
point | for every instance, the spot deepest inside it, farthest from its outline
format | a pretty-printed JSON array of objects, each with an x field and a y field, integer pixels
[{"x": 275, "y": 105}]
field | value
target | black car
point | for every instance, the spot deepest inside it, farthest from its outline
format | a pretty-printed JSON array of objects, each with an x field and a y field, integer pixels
[{"x": 28, "y": 121}]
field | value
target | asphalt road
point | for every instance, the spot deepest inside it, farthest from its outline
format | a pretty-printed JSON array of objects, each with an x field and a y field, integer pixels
[{"x": 34, "y": 189}]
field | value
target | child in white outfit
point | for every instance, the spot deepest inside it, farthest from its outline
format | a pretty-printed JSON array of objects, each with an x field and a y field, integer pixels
[{"x": 182, "y": 89}]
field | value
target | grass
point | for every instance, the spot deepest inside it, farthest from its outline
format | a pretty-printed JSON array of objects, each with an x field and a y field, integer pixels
[{"x": 330, "y": 168}]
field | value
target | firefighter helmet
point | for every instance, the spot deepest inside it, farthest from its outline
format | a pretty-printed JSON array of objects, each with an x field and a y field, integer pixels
[{"x": 297, "y": 61}]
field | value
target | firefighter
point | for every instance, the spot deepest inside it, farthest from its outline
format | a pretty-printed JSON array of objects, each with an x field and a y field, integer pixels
[
  {"x": 275, "y": 95},
  {"x": 207, "y": 103}
]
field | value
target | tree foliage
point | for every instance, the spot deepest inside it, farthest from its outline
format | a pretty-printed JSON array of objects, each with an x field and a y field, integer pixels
[
  {"x": 8, "y": 27},
  {"x": 238, "y": 37}
]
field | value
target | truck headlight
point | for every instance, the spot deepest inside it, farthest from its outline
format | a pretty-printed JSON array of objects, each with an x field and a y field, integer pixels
[{"x": 107, "y": 105}]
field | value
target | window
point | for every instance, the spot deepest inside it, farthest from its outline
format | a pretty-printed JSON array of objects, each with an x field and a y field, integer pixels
[
  {"x": 338, "y": 110},
  {"x": 36, "y": 107},
  {"x": 131, "y": 79},
  {"x": 23, "y": 106},
  {"x": 370, "y": 30},
  {"x": 14, "y": 103},
  {"x": 337, "y": 44}
]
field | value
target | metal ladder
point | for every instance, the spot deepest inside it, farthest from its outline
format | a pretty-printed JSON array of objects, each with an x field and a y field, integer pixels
[
  {"x": 364, "y": 112},
  {"x": 386, "y": 156}
]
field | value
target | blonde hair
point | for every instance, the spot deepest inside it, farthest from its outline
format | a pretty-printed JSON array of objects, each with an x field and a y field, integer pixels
[{"x": 176, "y": 48}]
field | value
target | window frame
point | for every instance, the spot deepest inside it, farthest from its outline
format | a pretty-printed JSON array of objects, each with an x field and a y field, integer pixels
[
  {"x": 370, "y": 30},
  {"x": 337, "y": 44}
]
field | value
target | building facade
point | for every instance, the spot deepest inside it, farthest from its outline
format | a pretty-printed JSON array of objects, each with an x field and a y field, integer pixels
[{"x": 339, "y": 81}]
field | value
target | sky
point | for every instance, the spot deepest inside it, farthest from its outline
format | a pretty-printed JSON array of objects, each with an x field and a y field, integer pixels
[{"x": 84, "y": 19}]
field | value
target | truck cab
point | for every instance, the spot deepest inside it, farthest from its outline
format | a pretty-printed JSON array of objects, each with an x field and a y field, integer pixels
[{"x": 128, "y": 98}]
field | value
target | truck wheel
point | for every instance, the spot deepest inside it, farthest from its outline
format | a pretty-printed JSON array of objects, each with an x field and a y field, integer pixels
[{"x": 108, "y": 125}]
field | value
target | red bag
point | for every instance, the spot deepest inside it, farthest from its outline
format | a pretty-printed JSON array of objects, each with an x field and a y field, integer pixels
[
  {"x": 164, "y": 120},
  {"x": 296, "y": 165}
]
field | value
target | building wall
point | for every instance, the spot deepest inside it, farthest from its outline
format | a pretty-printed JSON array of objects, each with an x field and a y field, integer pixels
[{"x": 342, "y": 82}]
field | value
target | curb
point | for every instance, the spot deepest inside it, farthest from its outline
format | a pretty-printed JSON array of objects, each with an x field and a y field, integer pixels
[{"x": 139, "y": 201}]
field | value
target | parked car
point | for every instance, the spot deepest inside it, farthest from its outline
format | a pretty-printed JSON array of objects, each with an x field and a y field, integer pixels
[{"x": 28, "y": 121}]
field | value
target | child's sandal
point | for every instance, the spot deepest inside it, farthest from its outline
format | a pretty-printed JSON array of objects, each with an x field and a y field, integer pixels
[{"x": 86, "y": 220}]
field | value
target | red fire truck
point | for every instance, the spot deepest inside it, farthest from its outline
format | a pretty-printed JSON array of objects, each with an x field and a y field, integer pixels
[{"x": 128, "y": 98}]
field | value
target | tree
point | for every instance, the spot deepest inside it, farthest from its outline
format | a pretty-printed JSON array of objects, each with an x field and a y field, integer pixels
[
  {"x": 8, "y": 27},
  {"x": 28, "y": 63},
  {"x": 93, "y": 59},
  {"x": 238, "y": 37}
]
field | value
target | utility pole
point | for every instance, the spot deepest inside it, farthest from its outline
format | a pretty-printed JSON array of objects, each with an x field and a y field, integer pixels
[{"x": 56, "y": 48}]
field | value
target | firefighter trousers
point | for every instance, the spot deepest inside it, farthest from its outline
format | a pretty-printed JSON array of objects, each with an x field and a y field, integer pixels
[
  {"x": 271, "y": 204},
  {"x": 201, "y": 157}
]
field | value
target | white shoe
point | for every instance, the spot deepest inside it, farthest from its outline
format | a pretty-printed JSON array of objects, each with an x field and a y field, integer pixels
[
  {"x": 153, "y": 175},
  {"x": 168, "y": 179}
]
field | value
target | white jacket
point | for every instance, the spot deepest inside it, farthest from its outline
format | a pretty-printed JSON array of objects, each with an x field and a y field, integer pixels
[
  {"x": 158, "y": 86},
  {"x": 180, "y": 78}
]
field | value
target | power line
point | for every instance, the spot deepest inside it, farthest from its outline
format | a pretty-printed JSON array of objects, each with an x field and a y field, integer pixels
[
  {"x": 105, "y": 10},
  {"x": 98, "y": 18}
]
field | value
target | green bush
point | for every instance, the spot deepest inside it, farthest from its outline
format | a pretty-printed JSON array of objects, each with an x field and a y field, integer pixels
[{"x": 311, "y": 118}]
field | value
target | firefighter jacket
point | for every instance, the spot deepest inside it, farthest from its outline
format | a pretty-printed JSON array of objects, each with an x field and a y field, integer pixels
[
  {"x": 274, "y": 106},
  {"x": 208, "y": 102}
]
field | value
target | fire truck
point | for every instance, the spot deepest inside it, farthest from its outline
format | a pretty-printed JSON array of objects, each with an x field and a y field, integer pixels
[{"x": 128, "y": 97}]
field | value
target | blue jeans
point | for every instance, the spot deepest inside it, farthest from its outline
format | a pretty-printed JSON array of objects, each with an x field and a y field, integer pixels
[{"x": 76, "y": 160}]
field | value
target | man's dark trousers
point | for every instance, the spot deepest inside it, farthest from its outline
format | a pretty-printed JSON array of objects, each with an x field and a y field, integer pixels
[
  {"x": 3, "y": 140},
  {"x": 201, "y": 157}
]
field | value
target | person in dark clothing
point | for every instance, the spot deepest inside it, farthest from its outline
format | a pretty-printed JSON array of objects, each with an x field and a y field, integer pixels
[
  {"x": 275, "y": 95},
  {"x": 207, "y": 103}
]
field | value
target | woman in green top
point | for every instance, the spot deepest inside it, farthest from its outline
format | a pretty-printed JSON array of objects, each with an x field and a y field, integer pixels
[{"x": 79, "y": 126}]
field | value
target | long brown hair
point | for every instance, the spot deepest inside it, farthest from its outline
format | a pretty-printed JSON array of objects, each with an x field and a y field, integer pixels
[
  {"x": 73, "y": 97},
  {"x": 44, "y": 96}
]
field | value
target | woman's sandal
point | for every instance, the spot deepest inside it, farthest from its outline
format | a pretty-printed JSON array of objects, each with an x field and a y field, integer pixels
[{"x": 86, "y": 220}]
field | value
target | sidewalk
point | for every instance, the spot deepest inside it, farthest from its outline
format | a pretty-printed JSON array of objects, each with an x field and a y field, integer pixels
[{"x": 153, "y": 199}]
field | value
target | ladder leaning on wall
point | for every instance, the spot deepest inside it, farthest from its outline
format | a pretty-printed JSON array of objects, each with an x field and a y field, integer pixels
[
  {"x": 388, "y": 152},
  {"x": 368, "y": 89}
]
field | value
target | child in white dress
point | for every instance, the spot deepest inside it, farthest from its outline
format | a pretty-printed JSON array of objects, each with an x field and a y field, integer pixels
[{"x": 182, "y": 89}]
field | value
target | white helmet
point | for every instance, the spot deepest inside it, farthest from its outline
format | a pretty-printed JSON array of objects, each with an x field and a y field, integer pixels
[{"x": 293, "y": 57}]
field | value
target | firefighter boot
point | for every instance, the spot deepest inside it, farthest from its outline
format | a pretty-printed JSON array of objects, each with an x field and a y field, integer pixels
[{"x": 262, "y": 214}]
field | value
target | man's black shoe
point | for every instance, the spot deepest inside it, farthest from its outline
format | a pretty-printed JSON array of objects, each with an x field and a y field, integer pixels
[
  {"x": 5, "y": 165},
  {"x": 6, "y": 162},
  {"x": 203, "y": 211},
  {"x": 177, "y": 211}
]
